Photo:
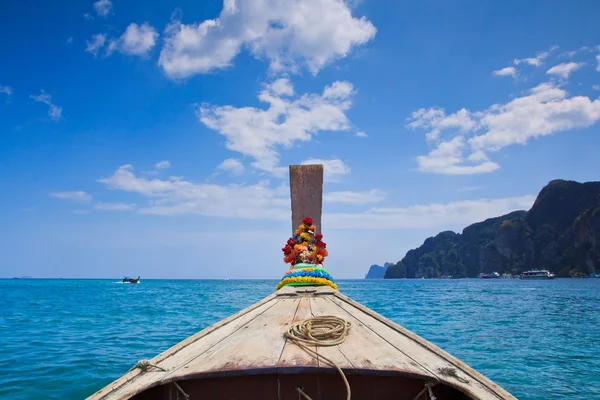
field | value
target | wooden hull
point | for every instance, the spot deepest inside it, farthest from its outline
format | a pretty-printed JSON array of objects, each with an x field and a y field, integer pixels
[
  {"x": 319, "y": 386},
  {"x": 246, "y": 356}
]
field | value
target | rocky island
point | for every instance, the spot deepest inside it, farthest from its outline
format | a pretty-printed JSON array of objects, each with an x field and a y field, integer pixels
[
  {"x": 377, "y": 271},
  {"x": 561, "y": 233}
]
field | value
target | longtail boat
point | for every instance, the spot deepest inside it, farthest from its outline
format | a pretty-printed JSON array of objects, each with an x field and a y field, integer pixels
[{"x": 304, "y": 341}]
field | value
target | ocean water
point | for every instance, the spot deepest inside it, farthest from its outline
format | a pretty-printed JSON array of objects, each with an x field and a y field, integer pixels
[{"x": 65, "y": 339}]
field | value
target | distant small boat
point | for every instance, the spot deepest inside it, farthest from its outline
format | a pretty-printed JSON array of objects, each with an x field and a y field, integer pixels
[
  {"x": 507, "y": 276},
  {"x": 593, "y": 275},
  {"x": 493, "y": 275},
  {"x": 579, "y": 275},
  {"x": 537, "y": 274},
  {"x": 131, "y": 280},
  {"x": 445, "y": 277}
]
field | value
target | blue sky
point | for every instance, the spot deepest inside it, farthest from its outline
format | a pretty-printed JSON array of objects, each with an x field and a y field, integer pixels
[{"x": 153, "y": 138}]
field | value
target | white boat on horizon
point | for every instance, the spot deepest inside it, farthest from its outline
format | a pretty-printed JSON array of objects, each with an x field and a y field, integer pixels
[
  {"x": 493, "y": 275},
  {"x": 537, "y": 274}
]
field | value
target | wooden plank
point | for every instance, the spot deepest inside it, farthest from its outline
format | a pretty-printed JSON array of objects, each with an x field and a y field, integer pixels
[
  {"x": 306, "y": 189},
  {"x": 293, "y": 359},
  {"x": 253, "y": 349},
  {"x": 320, "y": 306},
  {"x": 136, "y": 381},
  {"x": 426, "y": 354},
  {"x": 364, "y": 350}
]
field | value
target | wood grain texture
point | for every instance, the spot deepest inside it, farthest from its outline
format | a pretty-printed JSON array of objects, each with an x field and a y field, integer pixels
[{"x": 306, "y": 189}]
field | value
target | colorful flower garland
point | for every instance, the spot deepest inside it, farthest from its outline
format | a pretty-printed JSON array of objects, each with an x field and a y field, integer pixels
[
  {"x": 305, "y": 251},
  {"x": 305, "y": 246}
]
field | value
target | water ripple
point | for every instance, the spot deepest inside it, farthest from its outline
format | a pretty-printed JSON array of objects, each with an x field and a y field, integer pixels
[{"x": 65, "y": 339}]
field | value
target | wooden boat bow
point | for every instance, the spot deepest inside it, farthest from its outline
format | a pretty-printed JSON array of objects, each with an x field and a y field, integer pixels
[{"x": 246, "y": 356}]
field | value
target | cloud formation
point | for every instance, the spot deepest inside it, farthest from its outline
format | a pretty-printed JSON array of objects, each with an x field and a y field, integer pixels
[
  {"x": 232, "y": 165},
  {"x": 176, "y": 196},
  {"x": 563, "y": 70},
  {"x": 94, "y": 45},
  {"x": 349, "y": 197},
  {"x": 137, "y": 40},
  {"x": 470, "y": 136},
  {"x": 77, "y": 196},
  {"x": 260, "y": 133},
  {"x": 429, "y": 215},
  {"x": 163, "y": 164},
  {"x": 7, "y": 90},
  {"x": 114, "y": 206},
  {"x": 507, "y": 71},
  {"x": 103, "y": 8},
  {"x": 54, "y": 111},
  {"x": 287, "y": 33}
]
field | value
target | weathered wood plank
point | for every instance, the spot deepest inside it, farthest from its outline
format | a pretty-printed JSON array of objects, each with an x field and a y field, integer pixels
[
  {"x": 293, "y": 359},
  {"x": 178, "y": 355},
  {"x": 306, "y": 187},
  {"x": 320, "y": 306},
  {"x": 255, "y": 348},
  {"x": 364, "y": 350},
  {"x": 426, "y": 354}
]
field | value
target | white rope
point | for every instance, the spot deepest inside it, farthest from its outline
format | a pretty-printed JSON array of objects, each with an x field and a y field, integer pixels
[
  {"x": 320, "y": 331},
  {"x": 145, "y": 365}
]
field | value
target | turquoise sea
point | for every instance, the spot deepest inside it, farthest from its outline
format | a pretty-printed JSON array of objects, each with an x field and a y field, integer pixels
[{"x": 65, "y": 339}]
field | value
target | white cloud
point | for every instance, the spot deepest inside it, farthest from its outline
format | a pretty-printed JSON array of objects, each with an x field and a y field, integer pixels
[
  {"x": 284, "y": 32},
  {"x": 546, "y": 109},
  {"x": 163, "y": 164},
  {"x": 54, "y": 111},
  {"x": 598, "y": 61},
  {"x": 70, "y": 40},
  {"x": 361, "y": 134},
  {"x": 94, "y": 45},
  {"x": 137, "y": 40},
  {"x": 596, "y": 87},
  {"x": 371, "y": 196},
  {"x": 78, "y": 196},
  {"x": 569, "y": 54},
  {"x": 103, "y": 7},
  {"x": 88, "y": 16},
  {"x": 114, "y": 206},
  {"x": 507, "y": 71},
  {"x": 537, "y": 60},
  {"x": 333, "y": 170},
  {"x": 565, "y": 69},
  {"x": 176, "y": 196},
  {"x": 429, "y": 215},
  {"x": 435, "y": 120},
  {"x": 234, "y": 166},
  {"x": 6, "y": 90},
  {"x": 448, "y": 159},
  {"x": 281, "y": 87},
  {"x": 260, "y": 133}
]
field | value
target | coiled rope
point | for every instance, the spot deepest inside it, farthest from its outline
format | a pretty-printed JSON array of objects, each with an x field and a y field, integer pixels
[{"x": 320, "y": 331}]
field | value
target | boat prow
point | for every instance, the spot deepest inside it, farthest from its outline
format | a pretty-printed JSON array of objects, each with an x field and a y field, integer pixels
[
  {"x": 254, "y": 355},
  {"x": 247, "y": 356}
]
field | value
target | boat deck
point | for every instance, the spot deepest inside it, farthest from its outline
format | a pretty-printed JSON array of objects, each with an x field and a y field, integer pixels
[{"x": 251, "y": 342}]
